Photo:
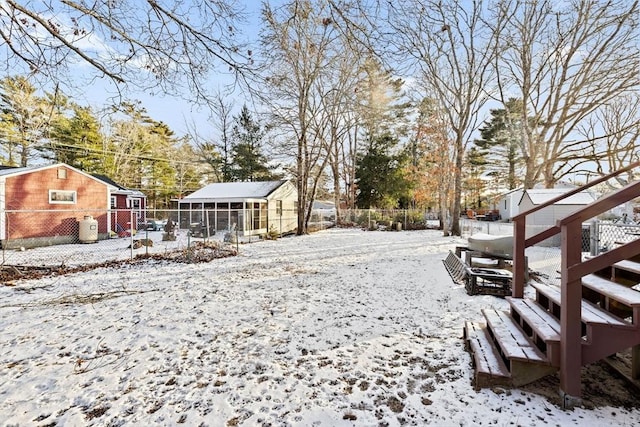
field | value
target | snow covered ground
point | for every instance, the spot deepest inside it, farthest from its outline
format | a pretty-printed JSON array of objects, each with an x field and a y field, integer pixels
[{"x": 339, "y": 328}]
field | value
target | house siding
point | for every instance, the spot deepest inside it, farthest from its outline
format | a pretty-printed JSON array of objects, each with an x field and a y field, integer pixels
[{"x": 30, "y": 192}]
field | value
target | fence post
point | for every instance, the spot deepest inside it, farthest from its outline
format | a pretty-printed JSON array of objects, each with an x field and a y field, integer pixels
[
  {"x": 131, "y": 232},
  {"x": 594, "y": 238}
]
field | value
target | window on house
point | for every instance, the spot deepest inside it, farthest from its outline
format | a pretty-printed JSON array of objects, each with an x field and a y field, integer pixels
[
  {"x": 278, "y": 207},
  {"x": 62, "y": 173},
  {"x": 62, "y": 197},
  {"x": 113, "y": 203}
]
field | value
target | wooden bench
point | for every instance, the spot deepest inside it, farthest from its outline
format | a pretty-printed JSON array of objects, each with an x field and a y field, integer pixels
[{"x": 590, "y": 312}]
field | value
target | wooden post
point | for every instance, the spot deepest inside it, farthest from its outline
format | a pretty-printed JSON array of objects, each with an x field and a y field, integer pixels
[
  {"x": 519, "y": 263},
  {"x": 570, "y": 315},
  {"x": 635, "y": 362}
]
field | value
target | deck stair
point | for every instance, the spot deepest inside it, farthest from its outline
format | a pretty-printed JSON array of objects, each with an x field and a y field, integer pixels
[
  {"x": 522, "y": 345},
  {"x": 593, "y": 314}
]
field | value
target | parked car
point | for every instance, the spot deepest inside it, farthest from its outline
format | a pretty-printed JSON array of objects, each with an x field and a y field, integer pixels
[{"x": 154, "y": 225}]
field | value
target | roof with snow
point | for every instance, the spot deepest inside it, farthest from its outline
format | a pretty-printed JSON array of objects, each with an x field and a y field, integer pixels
[
  {"x": 542, "y": 195},
  {"x": 236, "y": 190}
]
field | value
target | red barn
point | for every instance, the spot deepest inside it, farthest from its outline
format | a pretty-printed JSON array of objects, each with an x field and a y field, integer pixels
[
  {"x": 43, "y": 205},
  {"x": 127, "y": 207}
]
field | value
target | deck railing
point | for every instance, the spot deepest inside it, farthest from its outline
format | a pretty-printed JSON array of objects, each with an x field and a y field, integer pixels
[
  {"x": 573, "y": 268},
  {"x": 521, "y": 242}
]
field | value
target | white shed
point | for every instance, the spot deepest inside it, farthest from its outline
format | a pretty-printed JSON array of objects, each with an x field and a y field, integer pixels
[
  {"x": 508, "y": 203},
  {"x": 548, "y": 216},
  {"x": 251, "y": 208}
]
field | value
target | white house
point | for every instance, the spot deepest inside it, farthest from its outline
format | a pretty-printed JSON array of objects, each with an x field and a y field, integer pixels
[{"x": 251, "y": 208}]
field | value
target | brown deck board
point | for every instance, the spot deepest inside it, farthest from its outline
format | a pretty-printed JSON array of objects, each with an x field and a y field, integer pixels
[
  {"x": 612, "y": 290},
  {"x": 487, "y": 359},
  {"x": 590, "y": 313},
  {"x": 541, "y": 321},
  {"x": 513, "y": 342}
]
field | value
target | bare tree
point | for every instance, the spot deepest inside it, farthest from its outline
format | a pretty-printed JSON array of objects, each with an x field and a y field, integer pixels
[
  {"x": 452, "y": 48},
  {"x": 567, "y": 60},
  {"x": 614, "y": 135},
  {"x": 216, "y": 150},
  {"x": 296, "y": 44},
  {"x": 172, "y": 47}
]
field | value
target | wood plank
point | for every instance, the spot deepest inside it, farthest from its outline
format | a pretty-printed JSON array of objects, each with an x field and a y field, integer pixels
[
  {"x": 545, "y": 326},
  {"x": 590, "y": 312},
  {"x": 612, "y": 290},
  {"x": 513, "y": 342},
  {"x": 631, "y": 266},
  {"x": 486, "y": 357}
]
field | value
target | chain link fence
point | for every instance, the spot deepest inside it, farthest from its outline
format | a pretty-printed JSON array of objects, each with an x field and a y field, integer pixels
[{"x": 74, "y": 238}]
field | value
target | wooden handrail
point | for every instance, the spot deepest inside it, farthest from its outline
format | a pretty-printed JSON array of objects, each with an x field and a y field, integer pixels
[{"x": 573, "y": 269}]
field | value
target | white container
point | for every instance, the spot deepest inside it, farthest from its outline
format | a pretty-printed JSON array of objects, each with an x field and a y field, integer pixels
[{"x": 88, "y": 230}]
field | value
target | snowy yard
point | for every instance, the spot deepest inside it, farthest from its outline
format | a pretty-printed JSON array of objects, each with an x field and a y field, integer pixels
[{"x": 339, "y": 328}]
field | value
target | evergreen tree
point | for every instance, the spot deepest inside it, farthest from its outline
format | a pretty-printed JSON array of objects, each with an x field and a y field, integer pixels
[
  {"x": 380, "y": 176},
  {"x": 24, "y": 119},
  {"x": 76, "y": 140},
  {"x": 500, "y": 143},
  {"x": 248, "y": 161}
]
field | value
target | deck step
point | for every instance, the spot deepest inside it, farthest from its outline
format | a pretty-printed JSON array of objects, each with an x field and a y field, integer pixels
[
  {"x": 489, "y": 367},
  {"x": 627, "y": 265},
  {"x": 546, "y": 326},
  {"x": 512, "y": 341},
  {"x": 612, "y": 290},
  {"x": 591, "y": 314}
]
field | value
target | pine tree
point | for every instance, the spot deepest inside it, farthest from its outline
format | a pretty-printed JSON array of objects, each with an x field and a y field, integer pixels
[
  {"x": 76, "y": 140},
  {"x": 24, "y": 119},
  {"x": 380, "y": 176},
  {"x": 500, "y": 143},
  {"x": 248, "y": 161}
]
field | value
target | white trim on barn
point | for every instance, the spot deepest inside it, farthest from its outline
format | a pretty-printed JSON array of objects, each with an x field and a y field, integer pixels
[{"x": 250, "y": 208}]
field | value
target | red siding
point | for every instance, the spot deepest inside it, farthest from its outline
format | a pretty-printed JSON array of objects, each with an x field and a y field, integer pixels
[{"x": 30, "y": 191}]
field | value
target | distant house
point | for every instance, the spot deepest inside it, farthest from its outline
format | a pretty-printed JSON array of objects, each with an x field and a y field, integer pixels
[
  {"x": 251, "y": 208},
  {"x": 43, "y": 205},
  {"x": 548, "y": 216},
  {"x": 125, "y": 206}
]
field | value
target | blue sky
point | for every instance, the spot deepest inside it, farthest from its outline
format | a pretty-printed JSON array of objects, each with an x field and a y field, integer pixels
[{"x": 178, "y": 113}]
